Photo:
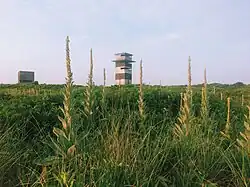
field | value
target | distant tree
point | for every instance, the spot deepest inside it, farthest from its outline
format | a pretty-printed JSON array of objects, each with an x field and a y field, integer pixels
[
  {"x": 35, "y": 83},
  {"x": 238, "y": 84}
]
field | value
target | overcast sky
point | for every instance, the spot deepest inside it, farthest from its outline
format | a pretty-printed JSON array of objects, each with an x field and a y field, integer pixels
[{"x": 215, "y": 33}]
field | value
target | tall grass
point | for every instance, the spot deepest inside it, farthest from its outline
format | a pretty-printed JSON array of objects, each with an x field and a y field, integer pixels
[
  {"x": 189, "y": 88},
  {"x": 141, "y": 102},
  {"x": 103, "y": 146},
  {"x": 89, "y": 100}
]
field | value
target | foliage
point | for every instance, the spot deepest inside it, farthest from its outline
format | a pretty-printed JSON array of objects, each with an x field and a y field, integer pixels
[{"x": 112, "y": 150}]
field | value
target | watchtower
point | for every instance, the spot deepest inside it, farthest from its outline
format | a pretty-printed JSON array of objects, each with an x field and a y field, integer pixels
[{"x": 123, "y": 68}]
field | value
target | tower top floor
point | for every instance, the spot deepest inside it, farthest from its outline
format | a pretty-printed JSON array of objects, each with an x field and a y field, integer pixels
[
  {"x": 123, "y": 57},
  {"x": 123, "y": 54}
]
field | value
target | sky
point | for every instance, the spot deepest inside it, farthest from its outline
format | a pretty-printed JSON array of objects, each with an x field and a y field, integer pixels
[{"x": 163, "y": 33}]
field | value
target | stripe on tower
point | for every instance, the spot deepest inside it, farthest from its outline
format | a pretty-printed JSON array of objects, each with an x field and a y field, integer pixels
[{"x": 123, "y": 76}]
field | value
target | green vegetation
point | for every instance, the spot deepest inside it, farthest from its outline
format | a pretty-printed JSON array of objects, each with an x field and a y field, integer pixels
[{"x": 135, "y": 135}]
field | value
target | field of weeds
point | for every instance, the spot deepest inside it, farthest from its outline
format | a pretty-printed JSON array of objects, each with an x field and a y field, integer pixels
[{"x": 136, "y": 135}]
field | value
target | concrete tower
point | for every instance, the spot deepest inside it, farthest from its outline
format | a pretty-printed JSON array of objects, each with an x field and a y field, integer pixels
[
  {"x": 123, "y": 68},
  {"x": 26, "y": 77}
]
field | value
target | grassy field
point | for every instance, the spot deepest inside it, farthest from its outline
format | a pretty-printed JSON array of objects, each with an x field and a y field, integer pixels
[{"x": 137, "y": 135}]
